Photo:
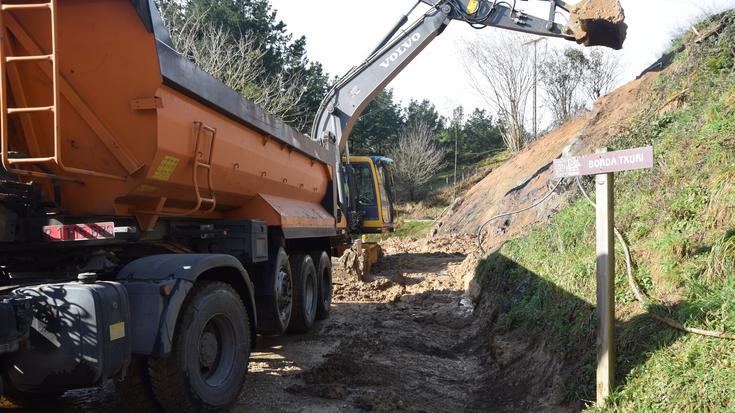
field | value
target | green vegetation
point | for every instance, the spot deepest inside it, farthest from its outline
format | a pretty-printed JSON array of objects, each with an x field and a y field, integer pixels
[
  {"x": 378, "y": 132},
  {"x": 679, "y": 219},
  {"x": 416, "y": 229},
  {"x": 410, "y": 228}
]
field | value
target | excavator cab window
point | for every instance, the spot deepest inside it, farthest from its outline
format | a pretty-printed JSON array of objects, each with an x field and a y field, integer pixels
[
  {"x": 367, "y": 201},
  {"x": 383, "y": 169},
  {"x": 373, "y": 180}
]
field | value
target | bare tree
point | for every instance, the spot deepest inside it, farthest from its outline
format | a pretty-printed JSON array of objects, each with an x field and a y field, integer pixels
[
  {"x": 562, "y": 73},
  {"x": 417, "y": 157},
  {"x": 501, "y": 70},
  {"x": 236, "y": 61},
  {"x": 601, "y": 74}
]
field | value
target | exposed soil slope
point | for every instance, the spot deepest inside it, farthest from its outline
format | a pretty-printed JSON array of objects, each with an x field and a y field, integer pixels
[{"x": 528, "y": 176}]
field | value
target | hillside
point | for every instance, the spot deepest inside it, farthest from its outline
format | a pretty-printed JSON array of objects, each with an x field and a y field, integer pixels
[
  {"x": 679, "y": 219},
  {"x": 518, "y": 183}
]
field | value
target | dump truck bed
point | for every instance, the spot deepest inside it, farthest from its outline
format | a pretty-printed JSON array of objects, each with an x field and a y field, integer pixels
[{"x": 138, "y": 130}]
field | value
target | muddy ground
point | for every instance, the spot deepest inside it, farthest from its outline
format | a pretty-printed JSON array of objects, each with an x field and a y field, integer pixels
[{"x": 407, "y": 340}]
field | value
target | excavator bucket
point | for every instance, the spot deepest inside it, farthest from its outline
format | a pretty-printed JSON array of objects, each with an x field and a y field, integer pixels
[{"x": 598, "y": 23}]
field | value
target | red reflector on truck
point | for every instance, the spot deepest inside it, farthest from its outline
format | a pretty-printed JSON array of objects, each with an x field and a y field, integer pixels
[{"x": 80, "y": 232}]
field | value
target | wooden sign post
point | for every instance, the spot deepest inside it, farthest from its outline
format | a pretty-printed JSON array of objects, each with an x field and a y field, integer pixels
[
  {"x": 605, "y": 213},
  {"x": 603, "y": 164}
]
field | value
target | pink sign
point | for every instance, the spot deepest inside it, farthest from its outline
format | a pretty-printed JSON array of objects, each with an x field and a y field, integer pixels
[{"x": 605, "y": 162}]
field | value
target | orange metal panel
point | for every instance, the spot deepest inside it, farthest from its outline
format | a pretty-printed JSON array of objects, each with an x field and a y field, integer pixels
[{"x": 284, "y": 212}]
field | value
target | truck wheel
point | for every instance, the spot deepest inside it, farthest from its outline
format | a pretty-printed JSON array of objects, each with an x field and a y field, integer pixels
[
  {"x": 274, "y": 308},
  {"x": 305, "y": 294},
  {"x": 324, "y": 276},
  {"x": 207, "y": 367}
]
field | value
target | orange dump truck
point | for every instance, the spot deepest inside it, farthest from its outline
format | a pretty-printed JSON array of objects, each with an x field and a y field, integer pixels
[{"x": 150, "y": 217}]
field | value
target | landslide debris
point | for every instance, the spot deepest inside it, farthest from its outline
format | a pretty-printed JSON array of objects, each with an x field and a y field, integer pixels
[{"x": 598, "y": 23}]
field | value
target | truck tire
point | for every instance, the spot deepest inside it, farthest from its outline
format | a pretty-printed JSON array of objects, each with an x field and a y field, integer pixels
[
  {"x": 207, "y": 367},
  {"x": 305, "y": 294},
  {"x": 324, "y": 275},
  {"x": 275, "y": 307}
]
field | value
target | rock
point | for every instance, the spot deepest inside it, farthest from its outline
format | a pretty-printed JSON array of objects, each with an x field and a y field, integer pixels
[{"x": 473, "y": 291}]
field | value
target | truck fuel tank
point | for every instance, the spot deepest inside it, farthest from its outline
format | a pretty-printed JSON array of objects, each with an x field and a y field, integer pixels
[{"x": 79, "y": 336}]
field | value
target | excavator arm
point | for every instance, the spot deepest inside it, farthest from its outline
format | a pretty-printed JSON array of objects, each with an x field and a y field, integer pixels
[{"x": 343, "y": 105}]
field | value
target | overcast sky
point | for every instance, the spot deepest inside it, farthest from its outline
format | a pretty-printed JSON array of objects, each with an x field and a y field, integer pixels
[{"x": 340, "y": 34}]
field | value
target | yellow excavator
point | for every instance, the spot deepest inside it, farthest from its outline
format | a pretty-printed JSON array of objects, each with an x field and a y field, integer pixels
[{"x": 372, "y": 200}]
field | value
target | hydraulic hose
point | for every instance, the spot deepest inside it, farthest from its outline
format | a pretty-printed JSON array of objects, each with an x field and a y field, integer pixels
[{"x": 532, "y": 206}]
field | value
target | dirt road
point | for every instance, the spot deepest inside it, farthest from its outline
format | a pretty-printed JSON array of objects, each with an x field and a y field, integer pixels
[
  {"x": 407, "y": 340},
  {"x": 392, "y": 343}
]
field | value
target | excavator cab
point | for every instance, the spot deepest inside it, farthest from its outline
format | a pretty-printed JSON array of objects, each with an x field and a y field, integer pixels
[{"x": 373, "y": 193}]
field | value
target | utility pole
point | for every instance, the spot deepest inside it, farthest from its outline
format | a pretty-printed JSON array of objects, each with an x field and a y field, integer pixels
[
  {"x": 457, "y": 119},
  {"x": 456, "y": 153},
  {"x": 535, "y": 84}
]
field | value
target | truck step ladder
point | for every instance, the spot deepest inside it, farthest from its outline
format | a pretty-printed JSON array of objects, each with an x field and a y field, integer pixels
[
  {"x": 5, "y": 111},
  {"x": 204, "y": 138},
  {"x": 6, "y": 60},
  {"x": 203, "y": 152}
]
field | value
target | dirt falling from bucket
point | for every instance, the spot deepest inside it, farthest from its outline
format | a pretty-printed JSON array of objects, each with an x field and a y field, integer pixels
[{"x": 598, "y": 23}]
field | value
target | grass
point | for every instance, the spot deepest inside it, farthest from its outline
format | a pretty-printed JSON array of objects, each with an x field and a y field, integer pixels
[
  {"x": 405, "y": 228},
  {"x": 416, "y": 229},
  {"x": 680, "y": 222},
  {"x": 442, "y": 193}
]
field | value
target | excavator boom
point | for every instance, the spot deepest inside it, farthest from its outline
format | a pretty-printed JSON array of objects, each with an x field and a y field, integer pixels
[{"x": 591, "y": 22}]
